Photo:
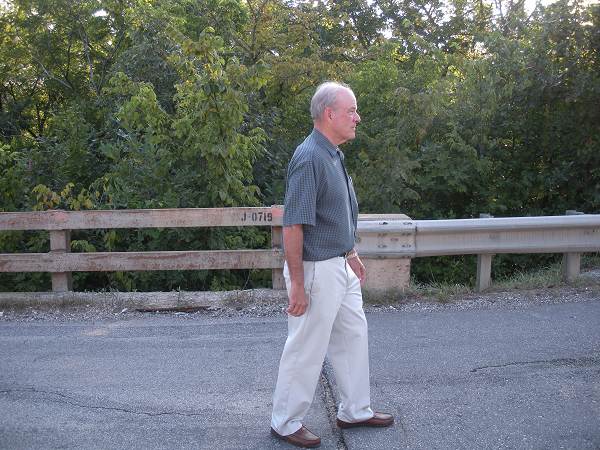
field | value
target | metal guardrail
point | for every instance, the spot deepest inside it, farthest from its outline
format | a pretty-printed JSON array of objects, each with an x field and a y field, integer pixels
[
  {"x": 545, "y": 234},
  {"x": 419, "y": 238},
  {"x": 380, "y": 237},
  {"x": 572, "y": 235}
]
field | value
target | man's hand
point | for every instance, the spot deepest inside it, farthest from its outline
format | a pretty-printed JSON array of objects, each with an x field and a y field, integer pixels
[
  {"x": 358, "y": 267},
  {"x": 293, "y": 237},
  {"x": 297, "y": 300}
]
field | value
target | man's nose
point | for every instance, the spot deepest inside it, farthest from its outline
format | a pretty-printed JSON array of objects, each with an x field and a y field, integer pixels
[{"x": 356, "y": 118}]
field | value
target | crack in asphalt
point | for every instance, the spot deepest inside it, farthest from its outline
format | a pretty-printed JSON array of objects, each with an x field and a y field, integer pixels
[
  {"x": 331, "y": 405},
  {"x": 398, "y": 419},
  {"x": 68, "y": 400},
  {"x": 574, "y": 362}
]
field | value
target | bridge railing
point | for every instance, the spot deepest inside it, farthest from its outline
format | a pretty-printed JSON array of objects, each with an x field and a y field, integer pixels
[
  {"x": 386, "y": 242},
  {"x": 570, "y": 235},
  {"x": 61, "y": 262}
]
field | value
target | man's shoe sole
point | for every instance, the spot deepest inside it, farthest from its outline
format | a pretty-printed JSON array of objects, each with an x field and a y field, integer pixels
[
  {"x": 297, "y": 444},
  {"x": 363, "y": 424}
]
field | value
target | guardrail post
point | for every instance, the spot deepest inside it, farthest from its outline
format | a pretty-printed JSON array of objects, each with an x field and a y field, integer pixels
[
  {"x": 386, "y": 244},
  {"x": 60, "y": 242},
  {"x": 571, "y": 261},
  {"x": 484, "y": 266},
  {"x": 277, "y": 244}
]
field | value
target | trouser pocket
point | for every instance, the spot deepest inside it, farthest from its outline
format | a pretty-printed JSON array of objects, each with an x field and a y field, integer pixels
[{"x": 309, "y": 276}]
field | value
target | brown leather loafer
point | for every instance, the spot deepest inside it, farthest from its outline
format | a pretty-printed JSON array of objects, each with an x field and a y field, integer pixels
[
  {"x": 378, "y": 420},
  {"x": 301, "y": 438}
]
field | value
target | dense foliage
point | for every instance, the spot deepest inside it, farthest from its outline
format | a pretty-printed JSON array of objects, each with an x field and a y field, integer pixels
[{"x": 466, "y": 107}]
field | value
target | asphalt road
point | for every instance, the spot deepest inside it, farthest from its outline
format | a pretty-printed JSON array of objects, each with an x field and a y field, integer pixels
[{"x": 521, "y": 378}]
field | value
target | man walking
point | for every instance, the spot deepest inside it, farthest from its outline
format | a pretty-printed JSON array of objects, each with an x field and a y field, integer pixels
[{"x": 323, "y": 274}]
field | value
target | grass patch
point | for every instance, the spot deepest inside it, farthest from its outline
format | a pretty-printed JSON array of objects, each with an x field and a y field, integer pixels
[
  {"x": 440, "y": 292},
  {"x": 549, "y": 277},
  {"x": 542, "y": 278},
  {"x": 590, "y": 261}
]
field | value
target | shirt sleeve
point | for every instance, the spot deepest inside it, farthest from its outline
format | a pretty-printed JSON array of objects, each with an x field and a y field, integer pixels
[{"x": 300, "y": 204}]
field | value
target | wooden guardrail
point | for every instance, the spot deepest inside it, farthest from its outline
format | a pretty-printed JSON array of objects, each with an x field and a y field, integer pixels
[{"x": 61, "y": 262}]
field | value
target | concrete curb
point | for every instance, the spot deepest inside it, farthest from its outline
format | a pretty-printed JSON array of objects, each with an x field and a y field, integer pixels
[{"x": 144, "y": 300}]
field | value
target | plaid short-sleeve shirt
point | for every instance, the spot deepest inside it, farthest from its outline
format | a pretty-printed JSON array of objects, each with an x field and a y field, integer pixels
[{"x": 320, "y": 196}]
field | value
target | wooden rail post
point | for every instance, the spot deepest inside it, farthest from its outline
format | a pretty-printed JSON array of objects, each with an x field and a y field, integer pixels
[
  {"x": 277, "y": 244},
  {"x": 571, "y": 261},
  {"x": 60, "y": 242},
  {"x": 484, "y": 266}
]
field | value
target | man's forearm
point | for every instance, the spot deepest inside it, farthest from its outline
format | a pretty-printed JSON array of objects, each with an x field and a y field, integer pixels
[{"x": 293, "y": 240}]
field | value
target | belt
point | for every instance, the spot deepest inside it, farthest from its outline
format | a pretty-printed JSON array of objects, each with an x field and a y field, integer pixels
[{"x": 345, "y": 254}]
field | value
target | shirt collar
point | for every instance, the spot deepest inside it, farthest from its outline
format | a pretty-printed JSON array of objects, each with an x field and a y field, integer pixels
[{"x": 325, "y": 143}]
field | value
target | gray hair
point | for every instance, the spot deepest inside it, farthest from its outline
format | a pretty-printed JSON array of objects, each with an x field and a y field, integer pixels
[{"x": 325, "y": 96}]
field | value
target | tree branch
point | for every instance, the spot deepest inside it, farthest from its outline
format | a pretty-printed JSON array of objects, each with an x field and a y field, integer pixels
[
  {"x": 86, "y": 49},
  {"x": 51, "y": 76}
]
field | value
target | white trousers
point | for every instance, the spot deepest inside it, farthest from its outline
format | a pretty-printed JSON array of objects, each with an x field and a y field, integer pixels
[{"x": 333, "y": 324}]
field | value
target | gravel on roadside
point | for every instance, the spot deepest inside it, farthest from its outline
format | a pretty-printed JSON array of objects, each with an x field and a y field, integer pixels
[{"x": 269, "y": 303}]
